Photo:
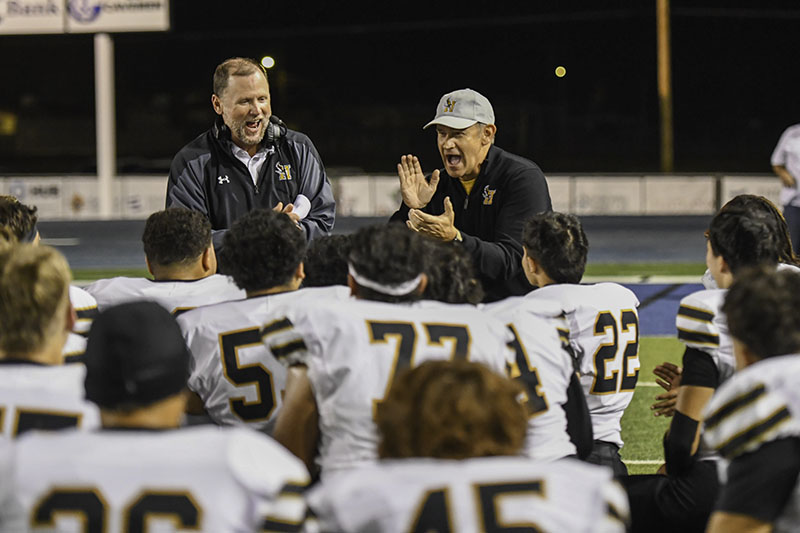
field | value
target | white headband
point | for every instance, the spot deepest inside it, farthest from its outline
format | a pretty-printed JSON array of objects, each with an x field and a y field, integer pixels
[{"x": 399, "y": 289}]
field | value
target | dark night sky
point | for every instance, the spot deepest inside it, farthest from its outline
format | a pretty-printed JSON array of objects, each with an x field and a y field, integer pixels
[{"x": 361, "y": 81}]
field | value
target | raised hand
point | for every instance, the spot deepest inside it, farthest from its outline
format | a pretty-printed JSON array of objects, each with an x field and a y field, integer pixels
[{"x": 414, "y": 188}]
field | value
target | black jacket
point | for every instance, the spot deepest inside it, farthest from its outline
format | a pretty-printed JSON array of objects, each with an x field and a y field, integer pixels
[
  {"x": 205, "y": 176},
  {"x": 509, "y": 189}
]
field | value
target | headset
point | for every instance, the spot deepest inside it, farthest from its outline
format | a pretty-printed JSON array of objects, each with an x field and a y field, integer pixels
[{"x": 275, "y": 129}]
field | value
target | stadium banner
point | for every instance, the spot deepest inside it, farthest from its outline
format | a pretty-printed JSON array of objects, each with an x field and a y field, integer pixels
[
  {"x": 679, "y": 195},
  {"x": 613, "y": 195},
  {"x": 22, "y": 17},
  {"x": 736, "y": 185}
]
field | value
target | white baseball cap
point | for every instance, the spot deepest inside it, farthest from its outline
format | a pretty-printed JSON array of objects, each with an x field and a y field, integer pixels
[{"x": 461, "y": 109}]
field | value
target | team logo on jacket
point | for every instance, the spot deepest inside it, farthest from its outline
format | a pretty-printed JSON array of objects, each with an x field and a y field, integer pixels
[
  {"x": 488, "y": 195},
  {"x": 284, "y": 172},
  {"x": 223, "y": 179},
  {"x": 449, "y": 105}
]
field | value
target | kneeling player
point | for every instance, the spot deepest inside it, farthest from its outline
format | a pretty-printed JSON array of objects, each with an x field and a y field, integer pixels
[
  {"x": 753, "y": 420},
  {"x": 343, "y": 355},
  {"x": 449, "y": 434},
  {"x": 180, "y": 255},
  {"x": 603, "y": 325},
  {"x": 683, "y": 499},
  {"x": 140, "y": 472},
  {"x": 38, "y": 391}
]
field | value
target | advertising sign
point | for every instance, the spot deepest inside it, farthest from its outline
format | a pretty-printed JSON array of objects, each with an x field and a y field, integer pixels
[{"x": 23, "y": 17}]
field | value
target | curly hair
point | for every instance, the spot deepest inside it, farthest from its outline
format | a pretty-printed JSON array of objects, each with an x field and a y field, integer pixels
[
  {"x": 451, "y": 410},
  {"x": 387, "y": 254},
  {"x": 451, "y": 274},
  {"x": 744, "y": 238},
  {"x": 760, "y": 205},
  {"x": 18, "y": 217},
  {"x": 558, "y": 243},
  {"x": 175, "y": 236},
  {"x": 262, "y": 250},
  {"x": 34, "y": 288},
  {"x": 235, "y": 66},
  {"x": 325, "y": 263},
  {"x": 761, "y": 309}
]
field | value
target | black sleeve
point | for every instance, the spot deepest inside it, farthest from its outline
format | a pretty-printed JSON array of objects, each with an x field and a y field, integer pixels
[
  {"x": 579, "y": 423},
  {"x": 678, "y": 444},
  {"x": 760, "y": 483},
  {"x": 699, "y": 369}
]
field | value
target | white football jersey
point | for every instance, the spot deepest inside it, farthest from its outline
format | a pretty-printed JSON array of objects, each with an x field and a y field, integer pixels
[
  {"x": 198, "y": 479},
  {"x": 85, "y": 307},
  {"x": 703, "y": 326},
  {"x": 353, "y": 349},
  {"x": 604, "y": 333},
  {"x": 544, "y": 364},
  {"x": 175, "y": 296},
  {"x": 473, "y": 495},
  {"x": 74, "y": 348},
  {"x": 757, "y": 405},
  {"x": 44, "y": 397},
  {"x": 239, "y": 381}
]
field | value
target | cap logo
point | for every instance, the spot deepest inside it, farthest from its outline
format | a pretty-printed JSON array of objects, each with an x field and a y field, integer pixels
[{"x": 449, "y": 105}]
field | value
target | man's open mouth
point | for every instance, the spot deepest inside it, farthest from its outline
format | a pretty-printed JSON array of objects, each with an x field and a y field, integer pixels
[
  {"x": 453, "y": 160},
  {"x": 253, "y": 125}
]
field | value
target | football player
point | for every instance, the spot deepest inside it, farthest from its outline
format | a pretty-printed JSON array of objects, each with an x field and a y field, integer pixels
[
  {"x": 450, "y": 435},
  {"x": 21, "y": 220},
  {"x": 753, "y": 420},
  {"x": 760, "y": 204},
  {"x": 140, "y": 473},
  {"x": 38, "y": 391},
  {"x": 451, "y": 274},
  {"x": 603, "y": 326},
  {"x": 343, "y": 355},
  {"x": 325, "y": 263},
  {"x": 180, "y": 256},
  {"x": 737, "y": 239},
  {"x": 237, "y": 380}
]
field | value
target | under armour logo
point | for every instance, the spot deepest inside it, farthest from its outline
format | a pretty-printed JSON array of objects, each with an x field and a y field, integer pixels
[{"x": 223, "y": 179}]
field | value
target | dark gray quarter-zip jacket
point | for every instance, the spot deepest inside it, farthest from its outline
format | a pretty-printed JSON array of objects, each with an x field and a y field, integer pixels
[{"x": 205, "y": 176}]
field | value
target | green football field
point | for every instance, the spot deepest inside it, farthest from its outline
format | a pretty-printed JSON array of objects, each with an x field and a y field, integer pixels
[{"x": 641, "y": 431}]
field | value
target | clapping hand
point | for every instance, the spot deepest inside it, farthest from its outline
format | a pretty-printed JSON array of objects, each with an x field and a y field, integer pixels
[
  {"x": 414, "y": 188},
  {"x": 440, "y": 227}
]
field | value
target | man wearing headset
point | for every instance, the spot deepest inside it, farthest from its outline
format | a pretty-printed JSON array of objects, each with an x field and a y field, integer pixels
[{"x": 249, "y": 159}]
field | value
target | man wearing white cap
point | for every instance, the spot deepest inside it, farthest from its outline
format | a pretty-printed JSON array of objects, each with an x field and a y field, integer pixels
[{"x": 485, "y": 198}]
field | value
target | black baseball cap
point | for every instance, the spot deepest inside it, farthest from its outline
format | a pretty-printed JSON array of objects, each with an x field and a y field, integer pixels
[{"x": 135, "y": 356}]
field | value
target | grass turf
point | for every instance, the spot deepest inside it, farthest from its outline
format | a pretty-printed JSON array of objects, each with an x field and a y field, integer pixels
[{"x": 641, "y": 431}]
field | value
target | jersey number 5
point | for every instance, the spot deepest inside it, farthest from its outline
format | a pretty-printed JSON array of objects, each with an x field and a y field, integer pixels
[{"x": 241, "y": 375}]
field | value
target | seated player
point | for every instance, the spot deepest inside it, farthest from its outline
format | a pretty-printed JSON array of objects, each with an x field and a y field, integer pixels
[
  {"x": 603, "y": 327},
  {"x": 343, "y": 355},
  {"x": 451, "y": 274},
  {"x": 38, "y": 391},
  {"x": 760, "y": 204},
  {"x": 180, "y": 256},
  {"x": 237, "y": 379},
  {"x": 683, "y": 499},
  {"x": 753, "y": 420},
  {"x": 450, "y": 431},
  {"x": 21, "y": 220},
  {"x": 141, "y": 473},
  {"x": 325, "y": 263}
]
